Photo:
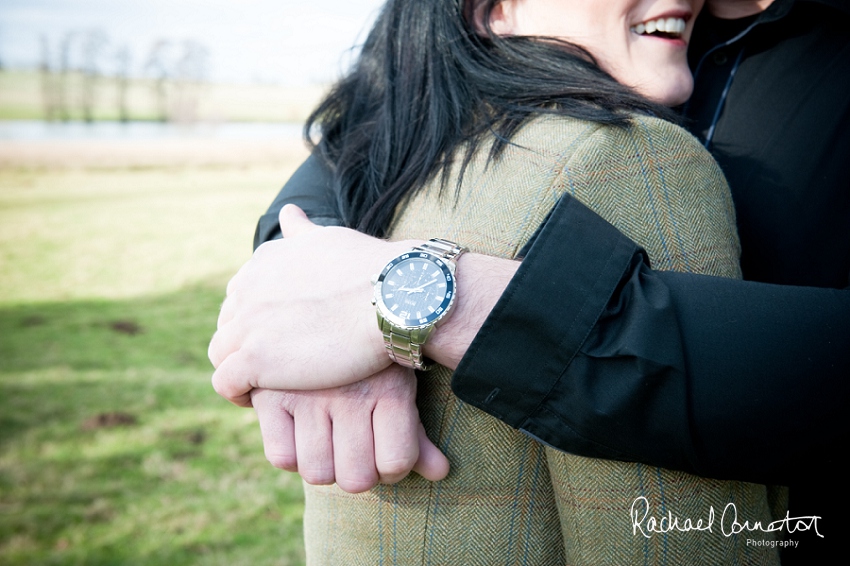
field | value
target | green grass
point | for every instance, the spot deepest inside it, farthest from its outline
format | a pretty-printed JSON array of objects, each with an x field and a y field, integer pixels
[
  {"x": 113, "y": 447},
  {"x": 120, "y": 233}
]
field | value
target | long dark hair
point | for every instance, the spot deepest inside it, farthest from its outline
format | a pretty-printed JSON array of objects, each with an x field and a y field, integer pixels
[{"x": 426, "y": 82}]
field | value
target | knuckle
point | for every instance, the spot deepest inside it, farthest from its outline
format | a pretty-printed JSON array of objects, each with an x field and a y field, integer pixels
[
  {"x": 232, "y": 285},
  {"x": 282, "y": 460},
  {"x": 218, "y": 384},
  {"x": 357, "y": 483},
  {"x": 264, "y": 249},
  {"x": 260, "y": 251},
  {"x": 212, "y": 352},
  {"x": 317, "y": 475},
  {"x": 229, "y": 391},
  {"x": 397, "y": 467},
  {"x": 250, "y": 353}
]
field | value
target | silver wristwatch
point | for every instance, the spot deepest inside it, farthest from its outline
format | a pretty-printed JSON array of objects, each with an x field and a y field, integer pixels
[{"x": 413, "y": 293}]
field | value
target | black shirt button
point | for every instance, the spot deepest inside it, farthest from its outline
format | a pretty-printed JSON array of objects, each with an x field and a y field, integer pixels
[{"x": 720, "y": 58}]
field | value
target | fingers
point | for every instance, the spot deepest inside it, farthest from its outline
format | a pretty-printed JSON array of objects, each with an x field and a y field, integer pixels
[
  {"x": 277, "y": 428},
  {"x": 354, "y": 455},
  {"x": 314, "y": 447},
  {"x": 432, "y": 464},
  {"x": 396, "y": 440},
  {"x": 234, "y": 283},
  {"x": 293, "y": 221},
  {"x": 227, "y": 312},
  {"x": 230, "y": 381},
  {"x": 225, "y": 341},
  {"x": 328, "y": 441}
]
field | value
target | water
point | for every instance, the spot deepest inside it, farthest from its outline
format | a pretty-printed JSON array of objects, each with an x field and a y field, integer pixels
[{"x": 36, "y": 130}]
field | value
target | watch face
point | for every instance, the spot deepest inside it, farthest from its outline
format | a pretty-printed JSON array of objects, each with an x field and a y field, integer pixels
[{"x": 415, "y": 289}]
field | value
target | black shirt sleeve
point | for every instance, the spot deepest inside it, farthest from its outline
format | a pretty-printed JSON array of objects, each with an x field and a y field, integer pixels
[
  {"x": 311, "y": 188},
  {"x": 593, "y": 352}
]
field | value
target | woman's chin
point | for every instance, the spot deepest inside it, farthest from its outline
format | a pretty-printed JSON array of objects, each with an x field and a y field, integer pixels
[{"x": 672, "y": 93}]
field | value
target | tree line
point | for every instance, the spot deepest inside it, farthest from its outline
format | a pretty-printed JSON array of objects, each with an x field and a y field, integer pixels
[{"x": 75, "y": 70}]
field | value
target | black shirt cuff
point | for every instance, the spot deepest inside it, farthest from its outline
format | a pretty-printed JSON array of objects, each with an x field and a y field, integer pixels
[{"x": 529, "y": 339}]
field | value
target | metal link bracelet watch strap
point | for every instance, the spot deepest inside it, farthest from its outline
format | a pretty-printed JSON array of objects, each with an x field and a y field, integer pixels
[
  {"x": 403, "y": 345},
  {"x": 447, "y": 250}
]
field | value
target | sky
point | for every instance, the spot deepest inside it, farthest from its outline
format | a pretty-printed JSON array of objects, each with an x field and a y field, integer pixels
[{"x": 289, "y": 42}]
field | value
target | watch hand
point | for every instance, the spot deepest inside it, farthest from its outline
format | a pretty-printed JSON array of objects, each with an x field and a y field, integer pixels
[{"x": 422, "y": 287}]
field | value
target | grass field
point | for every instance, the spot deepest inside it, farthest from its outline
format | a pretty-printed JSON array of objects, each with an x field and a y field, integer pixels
[{"x": 113, "y": 447}]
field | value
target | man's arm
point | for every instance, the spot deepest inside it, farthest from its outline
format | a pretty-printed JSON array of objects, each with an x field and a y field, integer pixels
[
  {"x": 367, "y": 432},
  {"x": 595, "y": 353}
]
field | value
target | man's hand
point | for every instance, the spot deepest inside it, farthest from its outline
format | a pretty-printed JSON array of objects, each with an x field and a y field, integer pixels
[
  {"x": 356, "y": 435},
  {"x": 298, "y": 314}
]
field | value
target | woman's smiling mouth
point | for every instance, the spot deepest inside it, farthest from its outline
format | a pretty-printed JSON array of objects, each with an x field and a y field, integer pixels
[{"x": 670, "y": 28}]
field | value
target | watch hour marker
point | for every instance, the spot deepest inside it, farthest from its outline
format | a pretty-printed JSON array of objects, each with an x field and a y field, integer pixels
[
  {"x": 441, "y": 285},
  {"x": 393, "y": 308},
  {"x": 430, "y": 309},
  {"x": 435, "y": 274},
  {"x": 424, "y": 266},
  {"x": 411, "y": 267},
  {"x": 418, "y": 314},
  {"x": 388, "y": 296}
]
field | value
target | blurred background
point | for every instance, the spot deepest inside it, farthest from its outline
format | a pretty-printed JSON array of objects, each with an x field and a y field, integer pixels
[{"x": 140, "y": 140}]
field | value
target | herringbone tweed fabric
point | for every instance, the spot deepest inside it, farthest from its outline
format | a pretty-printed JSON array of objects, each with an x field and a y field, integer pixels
[{"x": 508, "y": 500}]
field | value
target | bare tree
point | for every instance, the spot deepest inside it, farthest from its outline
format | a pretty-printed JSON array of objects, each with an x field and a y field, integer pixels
[
  {"x": 64, "y": 82},
  {"x": 123, "y": 60},
  {"x": 92, "y": 48},
  {"x": 178, "y": 72},
  {"x": 159, "y": 67},
  {"x": 49, "y": 82},
  {"x": 190, "y": 72}
]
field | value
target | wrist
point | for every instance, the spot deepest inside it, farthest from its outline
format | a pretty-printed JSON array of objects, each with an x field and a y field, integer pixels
[{"x": 481, "y": 280}]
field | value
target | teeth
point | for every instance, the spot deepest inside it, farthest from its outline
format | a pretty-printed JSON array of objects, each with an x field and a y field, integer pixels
[{"x": 664, "y": 25}]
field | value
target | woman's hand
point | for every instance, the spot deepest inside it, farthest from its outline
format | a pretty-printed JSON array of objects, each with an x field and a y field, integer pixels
[{"x": 356, "y": 435}]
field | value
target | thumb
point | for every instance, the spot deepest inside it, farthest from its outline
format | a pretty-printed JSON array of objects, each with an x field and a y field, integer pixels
[
  {"x": 293, "y": 221},
  {"x": 432, "y": 464}
]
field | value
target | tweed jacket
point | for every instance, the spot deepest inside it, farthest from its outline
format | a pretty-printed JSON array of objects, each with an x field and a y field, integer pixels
[{"x": 509, "y": 499}]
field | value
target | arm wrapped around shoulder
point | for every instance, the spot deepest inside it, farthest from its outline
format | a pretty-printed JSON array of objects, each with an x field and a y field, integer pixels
[{"x": 656, "y": 184}]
